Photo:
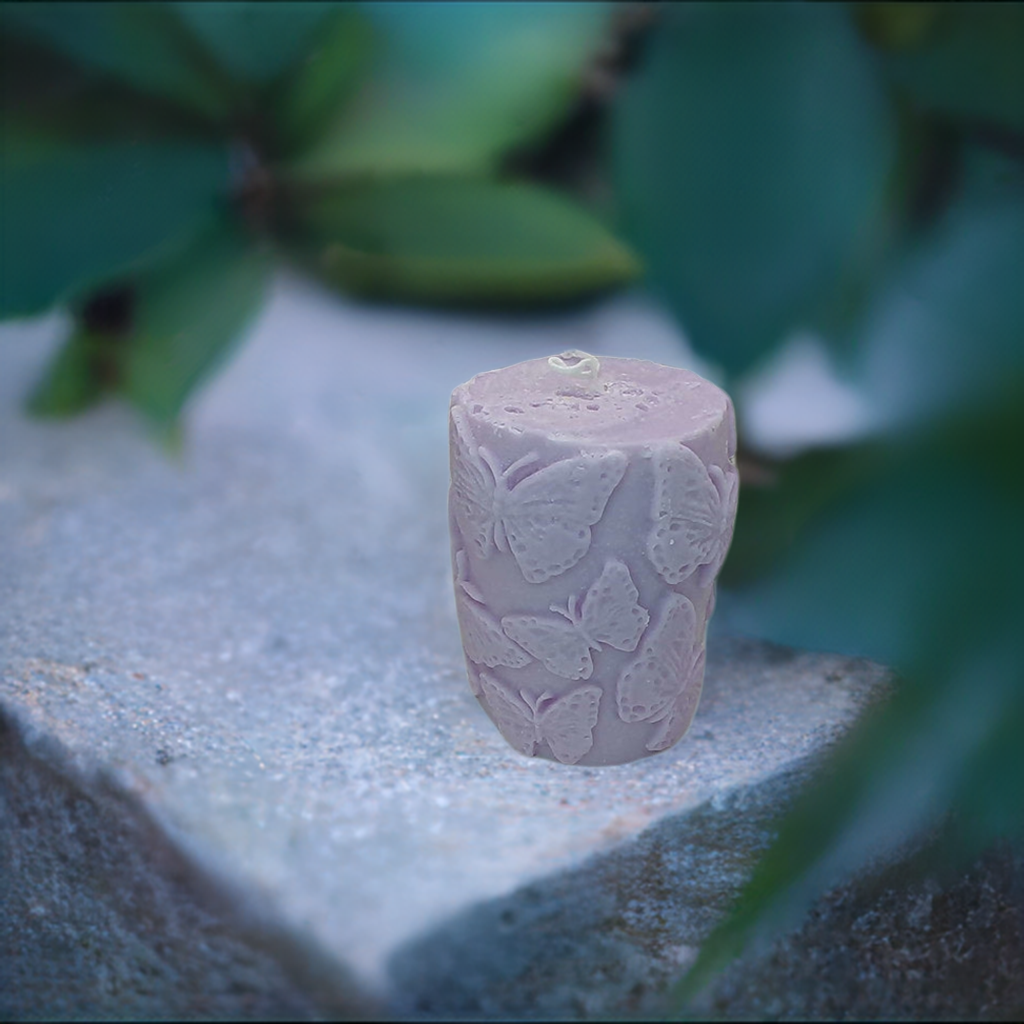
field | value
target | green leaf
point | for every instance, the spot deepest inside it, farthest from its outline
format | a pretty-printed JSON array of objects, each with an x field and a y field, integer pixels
[
  {"x": 924, "y": 570},
  {"x": 942, "y": 347},
  {"x": 144, "y": 45},
  {"x": 948, "y": 328},
  {"x": 44, "y": 92},
  {"x": 921, "y": 566},
  {"x": 754, "y": 154},
  {"x": 255, "y": 42},
  {"x": 947, "y": 742},
  {"x": 960, "y": 60},
  {"x": 874, "y": 572},
  {"x": 306, "y": 100},
  {"x": 189, "y": 312},
  {"x": 896, "y": 25},
  {"x": 454, "y": 86},
  {"x": 72, "y": 382},
  {"x": 782, "y": 498},
  {"x": 76, "y": 216},
  {"x": 458, "y": 239}
]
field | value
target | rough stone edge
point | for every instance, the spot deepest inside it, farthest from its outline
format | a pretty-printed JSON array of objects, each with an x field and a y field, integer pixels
[
  {"x": 318, "y": 975},
  {"x": 632, "y": 957},
  {"x": 908, "y": 938},
  {"x": 250, "y": 918},
  {"x": 913, "y": 938},
  {"x": 606, "y": 938}
]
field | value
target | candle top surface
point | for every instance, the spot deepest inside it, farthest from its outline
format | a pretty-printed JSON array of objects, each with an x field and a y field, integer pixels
[{"x": 620, "y": 401}]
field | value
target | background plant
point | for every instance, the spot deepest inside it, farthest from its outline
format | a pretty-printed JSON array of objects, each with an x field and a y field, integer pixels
[
  {"x": 158, "y": 158},
  {"x": 858, "y": 171},
  {"x": 852, "y": 170}
]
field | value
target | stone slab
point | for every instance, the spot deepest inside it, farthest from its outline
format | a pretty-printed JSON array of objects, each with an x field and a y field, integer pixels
[
  {"x": 103, "y": 918},
  {"x": 256, "y": 645}
]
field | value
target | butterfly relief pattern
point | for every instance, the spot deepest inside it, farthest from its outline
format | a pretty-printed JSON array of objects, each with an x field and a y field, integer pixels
[
  {"x": 651, "y": 683},
  {"x": 610, "y": 614},
  {"x": 566, "y": 723},
  {"x": 545, "y": 519},
  {"x": 482, "y": 637},
  {"x": 674, "y": 725},
  {"x": 694, "y": 508}
]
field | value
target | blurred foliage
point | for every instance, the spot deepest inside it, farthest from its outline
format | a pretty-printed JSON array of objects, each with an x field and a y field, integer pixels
[
  {"x": 854, "y": 170},
  {"x": 155, "y": 340},
  {"x": 444, "y": 238},
  {"x": 362, "y": 141},
  {"x": 764, "y": 133},
  {"x": 451, "y": 89},
  {"x": 87, "y": 213},
  {"x": 859, "y": 171},
  {"x": 957, "y": 60}
]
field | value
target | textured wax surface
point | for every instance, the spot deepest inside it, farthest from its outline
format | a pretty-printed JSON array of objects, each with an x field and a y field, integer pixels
[
  {"x": 630, "y": 401},
  {"x": 589, "y": 517}
]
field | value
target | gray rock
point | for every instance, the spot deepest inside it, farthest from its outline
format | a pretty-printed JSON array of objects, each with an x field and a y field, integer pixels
[
  {"x": 239, "y": 737},
  {"x": 902, "y": 943},
  {"x": 101, "y": 917}
]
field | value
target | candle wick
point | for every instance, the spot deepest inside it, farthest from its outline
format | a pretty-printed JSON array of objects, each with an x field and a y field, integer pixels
[{"x": 582, "y": 364}]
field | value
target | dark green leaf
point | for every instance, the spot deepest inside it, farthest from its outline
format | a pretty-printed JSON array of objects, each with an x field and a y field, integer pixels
[
  {"x": 926, "y": 570},
  {"x": 313, "y": 93},
  {"x": 922, "y": 567},
  {"x": 946, "y": 742},
  {"x": 255, "y": 42},
  {"x": 43, "y": 91},
  {"x": 872, "y": 574},
  {"x": 949, "y": 326},
  {"x": 454, "y": 86},
  {"x": 754, "y": 153},
  {"x": 990, "y": 176},
  {"x": 896, "y": 25},
  {"x": 781, "y": 499},
  {"x": 72, "y": 383},
  {"x": 943, "y": 344},
  {"x": 75, "y": 216},
  {"x": 142, "y": 44},
  {"x": 188, "y": 314},
  {"x": 459, "y": 239},
  {"x": 960, "y": 60}
]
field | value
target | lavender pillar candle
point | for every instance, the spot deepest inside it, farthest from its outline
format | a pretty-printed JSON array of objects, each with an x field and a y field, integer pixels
[{"x": 591, "y": 507}]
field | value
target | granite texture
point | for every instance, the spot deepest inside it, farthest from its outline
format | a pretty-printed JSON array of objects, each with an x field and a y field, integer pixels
[
  {"x": 237, "y": 719},
  {"x": 102, "y": 918},
  {"x": 901, "y": 943}
]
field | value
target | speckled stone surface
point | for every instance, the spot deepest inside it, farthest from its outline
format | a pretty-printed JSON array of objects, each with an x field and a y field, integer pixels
[{"x": 256, "y": 646}]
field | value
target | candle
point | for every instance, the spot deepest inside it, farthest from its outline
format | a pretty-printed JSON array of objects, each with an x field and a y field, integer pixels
[{"x": 591, "y": 506}]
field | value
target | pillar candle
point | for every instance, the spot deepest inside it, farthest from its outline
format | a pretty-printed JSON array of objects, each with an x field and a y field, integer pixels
[{"x": 591, "y": 506}]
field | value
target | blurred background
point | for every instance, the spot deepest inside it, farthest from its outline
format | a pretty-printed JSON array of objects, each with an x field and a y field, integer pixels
[{"x": 827, "y": 199}]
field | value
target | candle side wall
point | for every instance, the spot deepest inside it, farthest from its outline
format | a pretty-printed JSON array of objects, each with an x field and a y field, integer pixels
[{"x": 538, "y": 647}]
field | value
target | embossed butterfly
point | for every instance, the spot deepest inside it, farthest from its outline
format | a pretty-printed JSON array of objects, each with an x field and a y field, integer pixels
[
  {"x": 545, "y": 519},
  {"x": 610, "y": 614},
  {"x": 651, "y": 683},
  {"x": 693, "y": 512},
  {"x": 482, "y": 637},
  {"x": 566, "y": 723},
  {"x": 674, "y": 725}
]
